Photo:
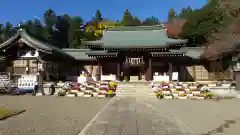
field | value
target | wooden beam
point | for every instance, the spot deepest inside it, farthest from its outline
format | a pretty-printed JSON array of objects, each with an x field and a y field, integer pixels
[{"x": 170, "y": 71}]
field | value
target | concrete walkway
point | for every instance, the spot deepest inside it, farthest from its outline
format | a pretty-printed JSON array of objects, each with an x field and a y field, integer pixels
[
  {"x": 149, "y": 116},
  {"x": 200, "y": 117},
  {"x": 128, "y": 116}
]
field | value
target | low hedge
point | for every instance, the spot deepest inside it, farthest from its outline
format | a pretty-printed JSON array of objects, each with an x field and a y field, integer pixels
[{"x": 7, "y": 112}]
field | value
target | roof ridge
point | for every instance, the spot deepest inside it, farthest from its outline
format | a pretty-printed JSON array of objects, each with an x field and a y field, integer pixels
[{"x": 134, "y": 28}]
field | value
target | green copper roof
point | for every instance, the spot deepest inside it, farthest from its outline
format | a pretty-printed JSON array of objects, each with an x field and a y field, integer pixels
[
  {"x": 103, "y": 53},
  {"x": 23, "y": 36},
  {"x": 79, "y": 54},
  {"x": 193, "y": 52},
  {"x": 135, "y": 39},
  {"x": 134, "y": 28}
]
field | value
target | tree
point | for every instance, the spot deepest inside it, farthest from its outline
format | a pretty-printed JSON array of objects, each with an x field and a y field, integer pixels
[
  {"x": 49, "y": 20},
  {"x": 98, "y": 16},
  {"x": 1, "y": 33},
  {"x": 75, "y": 32},
  {"x": 128, "y": 19},
  {"x": 8, "y": 31},
  {"x": 60, "y": 31},
  {"x": 186, "y": 12},
  {"x": 136, "y": 21},
  {"x": 202, "y": 23},
  {"x": 35, "y": 29},
  {"x": 171, "y": 14},
  {"x": 150, "y": 21}
]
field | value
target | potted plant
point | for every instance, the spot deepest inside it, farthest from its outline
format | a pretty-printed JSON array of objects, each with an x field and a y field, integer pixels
[
  {"x": 94, "y": 93},
  {"x": 87, "y": 94},
  {"x": 166, "y": 90},
  {"x": 71, "y": 94},
  {"x": 110, "y": 93},
  {"x": 202, "y": 95},
  {"x": 175, "y": 93},
  {"x": 159, "y": 95},
  {"x": 102, "y": 94},
  {"x": 209, "y": 95},
  {"x": 88, "y": 89},
  {"x": 62, "y": 93},
  {"x": 189, "y": 94},
  {"x": 196, "y": 92},
  {"x": 182, "y": 96},
  {"x": 102, "y": 91},
  {"x": 80, "y": 93},
  {"x": 168, "y": 96}
]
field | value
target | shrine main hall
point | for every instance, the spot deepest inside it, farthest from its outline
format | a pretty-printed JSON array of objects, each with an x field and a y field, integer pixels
[{"x": 141, "y": 52}]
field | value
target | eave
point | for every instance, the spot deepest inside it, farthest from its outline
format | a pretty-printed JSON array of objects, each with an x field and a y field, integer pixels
[{"x": 32, "y": 42}]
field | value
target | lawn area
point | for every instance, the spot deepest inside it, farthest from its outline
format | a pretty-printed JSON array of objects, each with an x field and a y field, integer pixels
[{"x": 6, "y": 112}]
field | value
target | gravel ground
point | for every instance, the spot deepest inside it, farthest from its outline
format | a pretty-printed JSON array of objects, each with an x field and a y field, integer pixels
[
  {"x": 200, "y": 117},
  {"x": 49, "y": 115}
]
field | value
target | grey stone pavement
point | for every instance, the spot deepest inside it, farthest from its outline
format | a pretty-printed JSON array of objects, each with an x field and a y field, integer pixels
[
  {"x": 150, "y": 116},
  {"x": 49, "y": 115},
  {"x": 128, "y": 116},
  {"x": 200, "y": 117},
  {"x": 139, "y": 115}
]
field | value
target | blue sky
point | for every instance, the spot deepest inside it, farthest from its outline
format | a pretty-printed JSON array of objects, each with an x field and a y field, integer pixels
[{"x": 19, "y": 10}]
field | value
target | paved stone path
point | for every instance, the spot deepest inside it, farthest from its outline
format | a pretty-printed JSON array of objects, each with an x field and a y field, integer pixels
[
  {"x": 200, "y": 117},
  {"x": 128, "y": 116}
]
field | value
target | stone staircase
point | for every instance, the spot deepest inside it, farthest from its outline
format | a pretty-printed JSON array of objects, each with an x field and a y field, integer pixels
[{"x": 134, "y": 89}]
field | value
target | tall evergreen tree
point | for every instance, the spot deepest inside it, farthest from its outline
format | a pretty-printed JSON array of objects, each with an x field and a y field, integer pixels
[
  {"x": 136, "y": 21},
  {"x": 171, "y": 14},
  {"x": 75, "y": 32},
  {"x": 186, "y": 12},
  {"x": 98, "y": 16},
  {"x": 60, "y": 34},
  {"x": 1, "y": 33},
  {"x": 8, "y": 30},
  {"x": 150, "y": 21},
  {"x": 128, "y": 19},
  {"x": 49, "y": 20}
]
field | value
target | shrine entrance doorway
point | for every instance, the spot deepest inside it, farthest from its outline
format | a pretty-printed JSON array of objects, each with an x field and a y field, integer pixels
[{"x": 134, "y": 69}]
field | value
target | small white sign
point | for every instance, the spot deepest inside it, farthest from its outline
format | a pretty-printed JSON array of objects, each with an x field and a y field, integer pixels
[
  {"x": 175, "y": 76},
  {"x": 81, "y": 79}
]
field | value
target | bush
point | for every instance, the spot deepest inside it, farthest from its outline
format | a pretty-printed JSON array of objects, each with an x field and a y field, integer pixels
[
  {"x": 62, "y": 93},
  {"x": 6, "y": 112},
  {"x": 159, "y": 95},
  {"x": 70, "y": 92}
]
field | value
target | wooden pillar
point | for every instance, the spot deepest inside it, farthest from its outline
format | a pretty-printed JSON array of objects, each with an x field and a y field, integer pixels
[
  {"x": 27, "y": 66},
  {"x": 99, "y": 72},
  {"x": 194, "y": 72},
  {"x": 170, "y": 71},
  {"x": 209, "y": 71},
  {"x": 126, "y": 75},
  {"x": 150, "y": 69},
  {"x": 179, "y": 71},
  {"x": 118, "y": 71},
  {"x": 149, "y": 75}
]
